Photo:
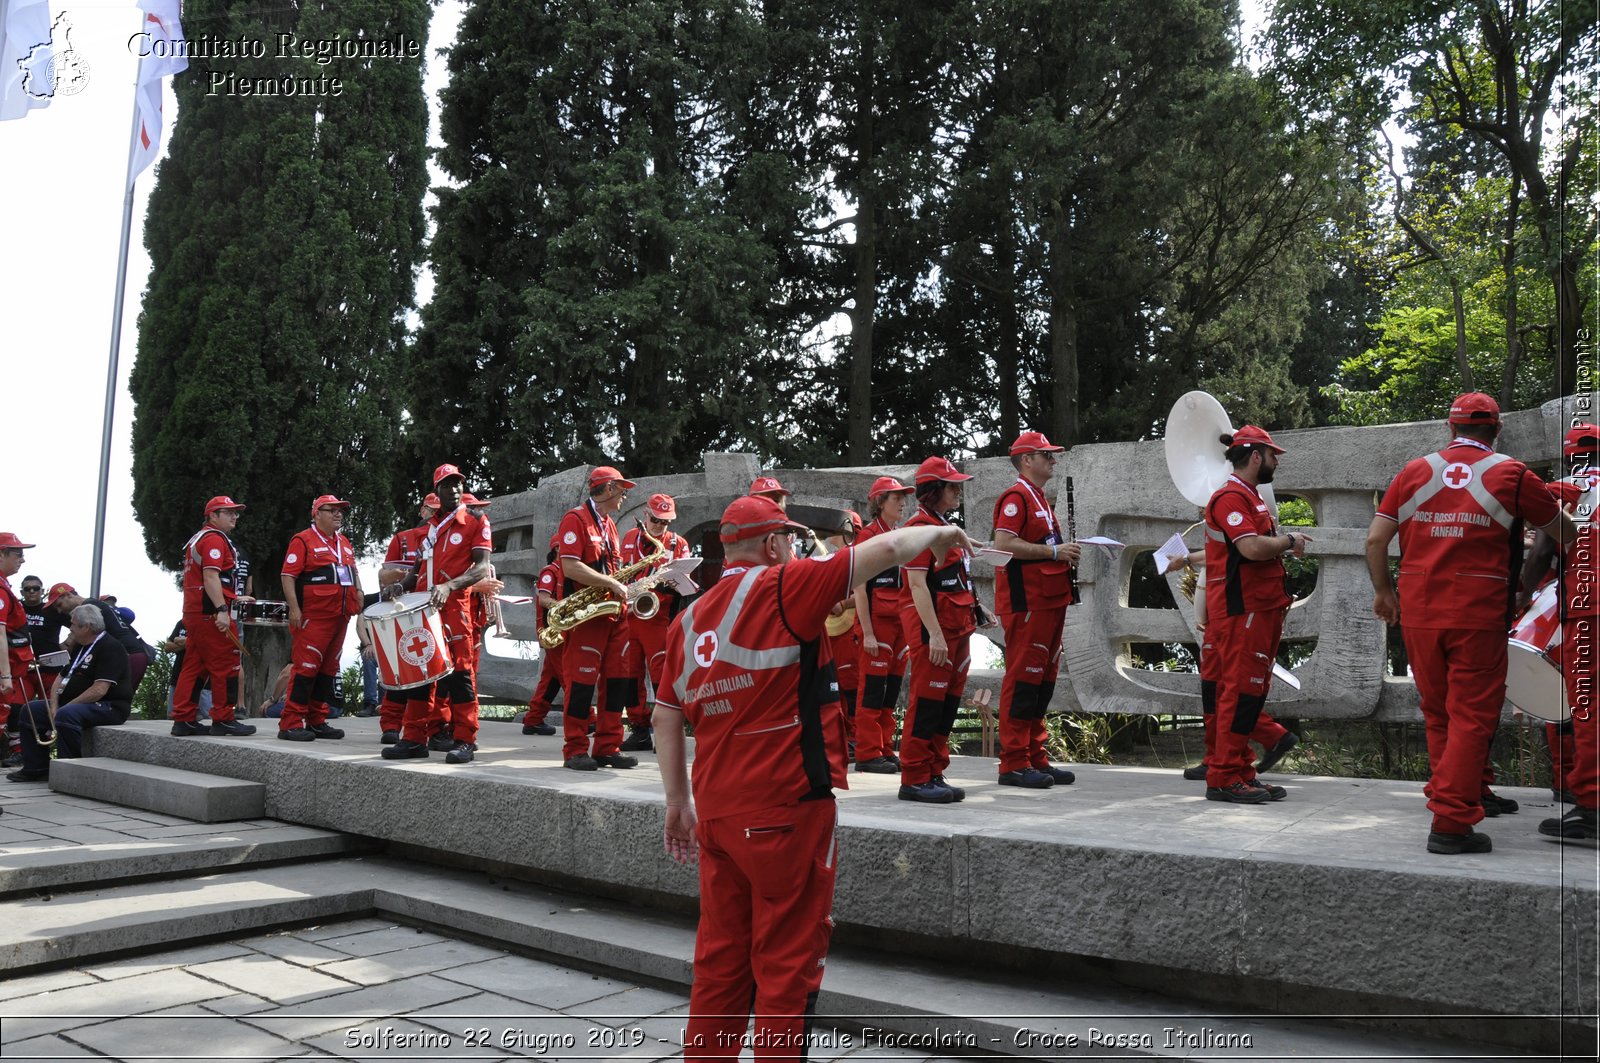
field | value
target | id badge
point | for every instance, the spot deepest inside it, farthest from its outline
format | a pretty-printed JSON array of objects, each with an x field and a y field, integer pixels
[{"x": 343, "y": 575}]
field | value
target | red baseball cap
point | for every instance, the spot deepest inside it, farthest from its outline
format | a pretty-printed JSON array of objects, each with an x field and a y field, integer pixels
[
  {"x": 753, "y": 516},
  {"x": 939, "y": 469},
  {"x": 1474, "y": 407},
  {"x": 470, "y": 499},
  {"x": 886, "y": 485},
  {"x": 222, "y": 502},
  {"x": 9, "y": 541},
  {"x": 662, "y": 507},
  {"x": 432, "y": 501},
  {"x": 445, "y": 471},
  {"x": 605, "y": 474},
  {"x": 855, "y": 519},
  {"x": 1033, "y": 442},
  {"x": 1248, "y": 435},
  {"x": 329, "y": 500},
  {"x": 768, "y": 485},
  {"x": 57, "y": 592},
  {"x": 1581, "y": 439},
  {"x": 555, "y": 539}
]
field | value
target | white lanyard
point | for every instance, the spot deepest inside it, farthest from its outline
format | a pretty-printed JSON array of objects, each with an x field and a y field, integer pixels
[
  {"x": 79, "y": 659},
  {"x": 1462, "y": 441},
  {"x": 1038, "y": 499},
  {"x": 338, "y": 554}
]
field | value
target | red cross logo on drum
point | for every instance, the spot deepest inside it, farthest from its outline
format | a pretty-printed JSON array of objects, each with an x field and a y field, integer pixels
[
  {"x": 705, "y": 649},
  {"x": 416, "y": 648},
  {"x": 1457, "y": 474}
]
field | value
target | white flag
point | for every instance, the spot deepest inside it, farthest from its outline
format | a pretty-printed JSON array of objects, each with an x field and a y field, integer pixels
[
  {"x": 27, "y": 79},
  {"x": 161, "y": 34}
]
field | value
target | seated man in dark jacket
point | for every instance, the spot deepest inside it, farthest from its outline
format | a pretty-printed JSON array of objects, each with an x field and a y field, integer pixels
[{"x": 96, "y": 690}]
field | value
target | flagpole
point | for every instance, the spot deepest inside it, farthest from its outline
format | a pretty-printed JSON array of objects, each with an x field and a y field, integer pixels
[{"x": 116, "y": 344}]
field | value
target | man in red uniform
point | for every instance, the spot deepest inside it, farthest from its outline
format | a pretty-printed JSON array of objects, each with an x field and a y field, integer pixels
[
  {"x": 1031, "y": 595},
  {"x": 323, "y": 591},
  {"x": 591, "y": 553},
  {"x": 747, "y": 665},
  {"x": 649, "y": 636},
  {"x": 883, "y": 643},
  {"x": 1459, "y": 516},
  {"x": 454, "y": 555},
  {"x": 768, "y": 487},
  {"x": 1246, "y": 602},
  {"x": 209, "y": 590},
  {"x": 939, "y": 613},
  {"x": 549, "y": 683},
  {"x": 844, "y": 635},
  {"x": 1579, "y": 572},
  {"x": 400, "y": 559},
  {"x": 19, "y": 641}
]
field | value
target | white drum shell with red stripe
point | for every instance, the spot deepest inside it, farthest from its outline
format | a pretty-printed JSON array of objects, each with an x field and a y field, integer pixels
[
  {"x": 1534, "y": 682},
  {"x": 408, "y": 640}
]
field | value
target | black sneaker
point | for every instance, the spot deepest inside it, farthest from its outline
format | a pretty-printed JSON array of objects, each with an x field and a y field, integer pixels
[
  {"x": 1274, "y": 793},
  {"x": 1270, "y": 758},
  {"x": 442, "y": 742},
  {"x": 961, "y": 795},
  {"x": 27, "y": 775},
  {"x": 1579, "y": 824},
  {"x": 232, "y": 728},
  {"x": 538, "y": 729},
  {"x": 13, "y": 760},
  {"x": 1062, "y": 776},
  {"x": 297, "y": 734},
  {"x": 1457, "y": 844},
  {"x": 930, "y": 792},
  {"x": 460, "y": 753},
  {"x": 581, "y": 762},
  {"x": 184, "y": 728},
  {"x": 1196, "y": 772},
  {"x": 389, "y": 738},
  {"x": 403, "y": 750},
  {"x": 1028, "y": 778},
  {"x": 616, "y": 760},
  {"x": 1494, "y": 804},
  {"x": 1240, "y": 793},
  {"x": 323, "y": 730},
  {"x": 369, "y": 709},
  {"x": 1563, "y": 796},
  {"x": 641, "y": 740},
  {"x": 878, "y": 766}
]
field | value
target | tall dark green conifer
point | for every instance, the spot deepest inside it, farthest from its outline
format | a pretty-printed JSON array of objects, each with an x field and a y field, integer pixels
[{"x": 284, "y": 233}]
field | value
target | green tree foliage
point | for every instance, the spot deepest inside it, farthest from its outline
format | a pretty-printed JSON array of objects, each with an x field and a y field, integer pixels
[
  {"x": 1483, "y": 89},
  {"x": 284, "y": 233},
  {"x": 600, "y": 285}
]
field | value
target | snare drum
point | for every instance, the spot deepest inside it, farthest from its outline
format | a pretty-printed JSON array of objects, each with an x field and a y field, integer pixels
[
  {"x": 265, "y": 614},
  {"x": 1534, "y": 682},
  {"x": 408, "y": 641}
]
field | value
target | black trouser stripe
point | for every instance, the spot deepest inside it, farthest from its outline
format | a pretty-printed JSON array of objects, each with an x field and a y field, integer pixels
[
  {"x": 619, "y": 694},
  {"x": 582, "y": 698},
  {"x": 930, "y": 717},
  {"x": 1247, "y": 713},
  {"x": 872, "y": 691},
  {"x": 322, "y": 688},
  {"x": 300, "y": 689},
  {"x": 891, "y": 691},
  {"x": 1208, "y": 697}
]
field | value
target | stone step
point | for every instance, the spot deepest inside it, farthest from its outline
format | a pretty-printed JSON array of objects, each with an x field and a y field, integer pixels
[
  {"x": 875, "y": 1000},
  {"x": 170, "y": 791}
]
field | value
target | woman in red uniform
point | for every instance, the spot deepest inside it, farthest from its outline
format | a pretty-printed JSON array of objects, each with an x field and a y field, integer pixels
[
  {"x": 939, "y": 615},
  {"x": 883, "y": 646}
]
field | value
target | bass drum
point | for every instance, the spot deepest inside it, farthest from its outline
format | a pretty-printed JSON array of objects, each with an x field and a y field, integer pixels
[
  {"x": 408, "y": 641},
  {"x": 1534, "y": 683}
]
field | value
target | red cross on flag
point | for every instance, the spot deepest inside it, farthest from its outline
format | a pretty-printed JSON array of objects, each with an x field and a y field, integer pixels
[{"x": 160, "y": 45}]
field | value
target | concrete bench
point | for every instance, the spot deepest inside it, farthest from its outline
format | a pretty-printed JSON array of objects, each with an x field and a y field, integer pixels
[{"x": 172, "y": 791}]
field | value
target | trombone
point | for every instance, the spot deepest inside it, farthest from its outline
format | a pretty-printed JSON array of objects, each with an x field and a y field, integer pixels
[{"x": 49, "y": 738}]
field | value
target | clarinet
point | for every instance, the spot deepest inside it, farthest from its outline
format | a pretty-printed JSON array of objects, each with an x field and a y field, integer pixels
[{"x": 1072, "y": 537}]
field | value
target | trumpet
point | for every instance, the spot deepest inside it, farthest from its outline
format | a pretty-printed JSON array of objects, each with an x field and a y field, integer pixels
[{"x": 591, "y": 603}]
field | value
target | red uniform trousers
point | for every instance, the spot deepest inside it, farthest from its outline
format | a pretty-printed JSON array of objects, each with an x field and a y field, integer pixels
[
  {"x": 1576, "y": 656},
  {"x": 881, "y": 674},
  {"x": 209, "y": 654},
  {"x": 1033, "y": 659},
  {"x": 595, "y": 677},
  {"x": 457, "y": 690},
  {"x": 931, "y": 711},
  {"x": 766, "y": 897},
  {"x": 315, "y": 658},
  {"x": 1562, "y": 746},
  {"x": 1244, "y": 647},
  {"x": 647, "y": 656},
  {"x": 549, "y": 684},
  {"x": 1461, "y": 680},
  {"x": 1267, "y": 731},
  {"x": 392, "y": 709},
  {"x": 847, "y": 667}
]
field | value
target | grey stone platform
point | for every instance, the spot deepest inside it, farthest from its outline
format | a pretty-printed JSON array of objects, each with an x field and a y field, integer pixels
[
  {"x": 171, "y": 791},
  {"x": 1323, "y": 903}
]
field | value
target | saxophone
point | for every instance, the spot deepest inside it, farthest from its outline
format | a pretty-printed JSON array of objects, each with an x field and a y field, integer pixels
[{"x": 590, "y": 603}]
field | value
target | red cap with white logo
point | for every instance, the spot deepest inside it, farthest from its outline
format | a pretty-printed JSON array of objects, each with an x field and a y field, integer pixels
[
  {"x": 222, "y": 502},
  {"x": 329, "y": 500},
  {"x": 939, "y": 469},
  {"x": 768, "y": 485}
]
